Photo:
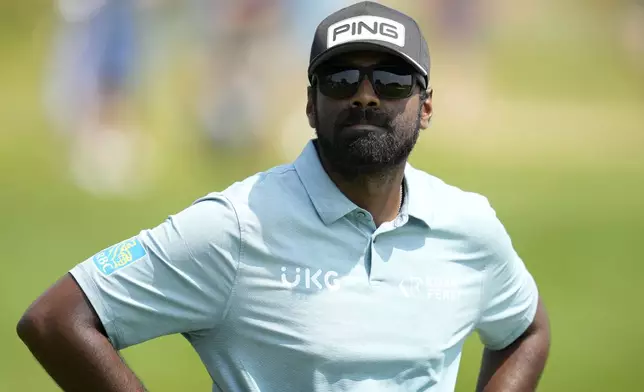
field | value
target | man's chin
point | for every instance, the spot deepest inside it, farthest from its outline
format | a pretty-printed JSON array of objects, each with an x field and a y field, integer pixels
[
  {"x": 357, "y": 157},
  {"x": 360, "y": 131},
  {"x": 352, "y": 166}
]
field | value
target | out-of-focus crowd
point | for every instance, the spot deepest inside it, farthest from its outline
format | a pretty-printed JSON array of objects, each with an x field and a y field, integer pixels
[{"x": 250, "y": 50}]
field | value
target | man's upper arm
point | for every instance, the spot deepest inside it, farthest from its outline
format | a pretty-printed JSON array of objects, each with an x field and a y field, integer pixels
[
  {"x": 64, "y": 299},
  {"x": 176, "y": 277},
  {"x": 509, "y": 296}
]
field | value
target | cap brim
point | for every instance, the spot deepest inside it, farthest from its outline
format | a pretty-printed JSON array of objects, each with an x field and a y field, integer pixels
[{"x": 375, "y": 46}]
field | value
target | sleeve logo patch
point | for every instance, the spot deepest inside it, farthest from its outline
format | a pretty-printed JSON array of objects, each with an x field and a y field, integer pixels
[{"x": 119, "y": 256}]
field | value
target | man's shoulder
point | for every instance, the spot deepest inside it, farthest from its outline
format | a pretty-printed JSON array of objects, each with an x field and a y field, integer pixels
[
  {"x": 449, "y": 198},
  {"x": 270, "y": 180},
  {"x": 271, "y": 186},
  {"x": 463, "y": 215}
]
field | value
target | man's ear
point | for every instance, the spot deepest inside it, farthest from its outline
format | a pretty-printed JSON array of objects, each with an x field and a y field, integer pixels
[
  {"x": 426, "y": 110},
  {"x": 310, "y": 106}
]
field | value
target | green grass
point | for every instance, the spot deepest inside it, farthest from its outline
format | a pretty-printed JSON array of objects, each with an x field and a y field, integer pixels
[{"x": 565, "y": 174}]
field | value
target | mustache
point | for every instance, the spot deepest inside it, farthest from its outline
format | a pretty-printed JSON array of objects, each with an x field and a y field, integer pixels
[{"x": 365, "y": 116}]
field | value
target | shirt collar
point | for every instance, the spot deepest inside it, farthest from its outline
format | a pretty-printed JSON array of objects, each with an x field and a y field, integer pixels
[
  {"x": 331, "y": 204},
  {"x": 419, "y": 196}
]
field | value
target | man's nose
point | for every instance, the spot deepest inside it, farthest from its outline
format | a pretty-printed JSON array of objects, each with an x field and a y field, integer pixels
[{"x": 365, "y": 96}]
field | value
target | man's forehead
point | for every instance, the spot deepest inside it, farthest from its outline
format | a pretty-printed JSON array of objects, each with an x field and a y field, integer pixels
[{"x": 365, "y": 58}]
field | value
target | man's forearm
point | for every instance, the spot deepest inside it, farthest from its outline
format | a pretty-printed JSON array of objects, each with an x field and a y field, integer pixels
[
  {"x": 79, "y": 360},
  {"x": 515, "y": 369},
  {"x": 518, "y": 367}
]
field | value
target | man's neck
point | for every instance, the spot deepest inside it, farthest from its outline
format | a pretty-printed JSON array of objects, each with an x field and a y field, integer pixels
[{"x": 379, "y": 193}]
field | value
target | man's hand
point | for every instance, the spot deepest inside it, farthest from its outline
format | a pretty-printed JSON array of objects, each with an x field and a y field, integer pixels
[
  {"x": 66, "y": 336},
  {"x": 518, "y": 367}
]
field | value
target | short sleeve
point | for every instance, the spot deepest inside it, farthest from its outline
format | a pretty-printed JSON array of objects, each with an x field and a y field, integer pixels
[
  {"x": 174, "y": 278},
  {"x": 509, "y": 293}
]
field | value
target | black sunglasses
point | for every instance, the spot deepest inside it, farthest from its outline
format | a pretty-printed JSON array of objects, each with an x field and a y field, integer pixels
[{"x": 389, "y": 82}]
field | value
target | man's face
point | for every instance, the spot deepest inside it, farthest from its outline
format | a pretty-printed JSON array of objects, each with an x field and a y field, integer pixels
[{"x": 366, "y": 132}]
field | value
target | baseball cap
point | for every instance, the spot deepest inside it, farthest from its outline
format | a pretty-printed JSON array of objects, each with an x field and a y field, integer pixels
[{"x": 370, "y": 26}]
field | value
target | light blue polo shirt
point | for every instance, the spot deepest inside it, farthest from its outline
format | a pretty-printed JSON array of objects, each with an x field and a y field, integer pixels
[{"x": 281, "y": 283}]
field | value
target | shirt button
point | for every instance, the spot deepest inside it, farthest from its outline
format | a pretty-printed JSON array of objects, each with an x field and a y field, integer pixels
[{"x": 361, "y": 215}]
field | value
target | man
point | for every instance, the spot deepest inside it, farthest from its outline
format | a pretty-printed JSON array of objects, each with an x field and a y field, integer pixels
[{"x": 348, "y": 270}]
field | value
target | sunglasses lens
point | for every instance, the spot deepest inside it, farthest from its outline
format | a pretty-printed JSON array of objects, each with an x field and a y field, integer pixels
[
  {"x": 389, "y": 82},
  {"x": 340, "y": 84},
  {"x": 393, "y": 83}
]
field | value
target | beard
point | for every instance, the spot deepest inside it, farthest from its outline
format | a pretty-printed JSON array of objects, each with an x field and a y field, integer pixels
[{"x": 366, "y": 153}]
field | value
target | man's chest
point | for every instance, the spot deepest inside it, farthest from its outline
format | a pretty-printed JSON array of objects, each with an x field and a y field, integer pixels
[{"x": 358, "y": 297}]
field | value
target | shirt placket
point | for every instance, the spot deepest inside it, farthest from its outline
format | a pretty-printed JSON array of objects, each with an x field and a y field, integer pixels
[{"x": 376, "y": 261}]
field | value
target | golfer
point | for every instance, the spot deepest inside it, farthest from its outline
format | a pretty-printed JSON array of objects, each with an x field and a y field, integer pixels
[{"x": 346, "y": 270}]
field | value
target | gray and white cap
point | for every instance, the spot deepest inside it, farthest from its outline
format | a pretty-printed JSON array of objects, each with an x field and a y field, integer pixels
[{"x": 370, "y": 26}]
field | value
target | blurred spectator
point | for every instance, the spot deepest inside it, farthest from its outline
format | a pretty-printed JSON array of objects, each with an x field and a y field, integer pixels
[
  {"x": 462, "y": 29},
  {"x": 230, "y": 107},
  {"x": 461, "y": 22},
  {"x": 89, "y": 93},
  {"x": 632, "y": 25}
]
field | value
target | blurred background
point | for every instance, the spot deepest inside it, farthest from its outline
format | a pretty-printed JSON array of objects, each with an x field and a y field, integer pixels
[{"x": 116, "y": 113}]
